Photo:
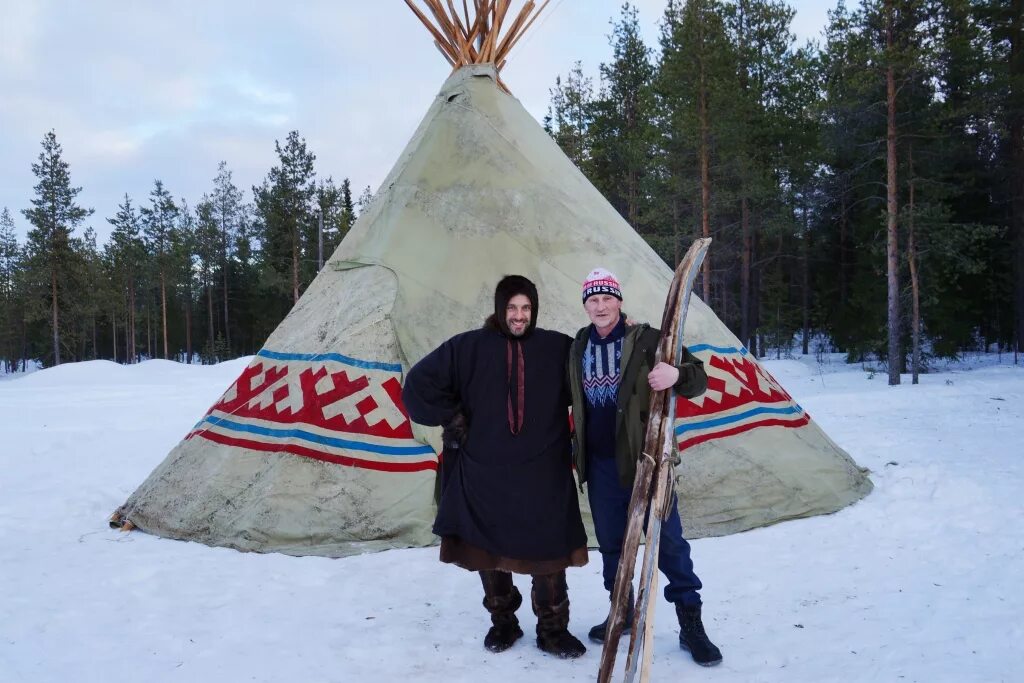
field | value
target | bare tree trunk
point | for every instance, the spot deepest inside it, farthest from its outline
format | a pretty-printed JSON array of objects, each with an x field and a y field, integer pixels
[
  {"x": 295, "y": 265},
  {"x": 212, "y": 336},
  {"x": 805, "y": 296},
  {"x": 632, "y": 209},
  {"x": 132, "y": 349},
  {"x": 24, "y": 343},
  {"x": 755, "y": 348},
  {"x": 188, "y": 328},
  {"x": 705, "y": 186},
  {"x": 224, "y": 273},
  {"x": 127, "y": 330},
  {"x": 843, "y": 267},
  {"x": 163, "y": 310},
  {"x": 675, "y": 231},
  {"x": 95, "y": 343},
  {"x": 723, "y": 298},
  {"x": 55, "y": 320},
  {"x": 745, "y": 271},
  {"x": 914, "y": 286},
  {"x": 1016, "y": 134},
  {"x": 113, "y": 330},
  {"x": 892, "y": 242}
]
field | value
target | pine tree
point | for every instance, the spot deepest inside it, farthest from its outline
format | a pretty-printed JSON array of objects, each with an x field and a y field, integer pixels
[
  {"x": 93, "y": 295},
  {"x": 365, "y": 197},
  {"x": 334, "y": 211},
  {"x": 229, "y": 213},
  {"x": 10, "y": 310},
  {"x": 207, "y": 245},
  {"x": 696, "y": 64},
  {"x": 569, "y": 115},
  {"x": 54, "y": 216},
  {"x": 348, "y": 207},
  {"x": 183, "y": 247},
  {"x": 1004, "y": 22},
  {"x": 126, "y": 253},
  {"x": 769, "y": 104},
  {"x": 284, "y": 208},
  {"x": 622, "y": 131},
  {"x": 158, "y": 221}
]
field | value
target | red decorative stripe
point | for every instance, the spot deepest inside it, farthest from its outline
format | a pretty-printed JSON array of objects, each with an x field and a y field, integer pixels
[
  {"x": 521, "y": 384},
  {"x": 515, "y": 414},
  {"x": 296, "y": 449},
  {"x": 732, "y": 431}
]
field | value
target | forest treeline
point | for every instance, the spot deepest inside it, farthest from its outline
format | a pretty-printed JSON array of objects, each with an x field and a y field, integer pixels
[
  {"x": 865, "y": 193},
  {"x": 205, "y": 281},
  {"x": 865, "y": 190}
]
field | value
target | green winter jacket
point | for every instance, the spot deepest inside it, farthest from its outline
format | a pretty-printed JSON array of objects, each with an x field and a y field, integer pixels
[{"x": 638, "y": 350}]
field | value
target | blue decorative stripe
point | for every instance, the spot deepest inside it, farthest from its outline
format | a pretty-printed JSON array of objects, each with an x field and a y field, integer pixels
[
  {"x": 318, "y": 439},
  {"x": 717, "y": 349},
  {"x": 739, "y": 417},
  {"x": 336, "y": 357}
]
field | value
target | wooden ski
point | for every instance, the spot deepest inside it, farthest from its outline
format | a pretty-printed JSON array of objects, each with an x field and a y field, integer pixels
[{"x": 653, "y": 487}]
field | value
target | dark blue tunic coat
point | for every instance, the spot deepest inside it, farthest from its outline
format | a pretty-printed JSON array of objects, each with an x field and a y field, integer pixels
[{"x": 511, "y": 495}]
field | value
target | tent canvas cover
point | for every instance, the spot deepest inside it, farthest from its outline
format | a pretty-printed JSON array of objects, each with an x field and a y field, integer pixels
[{"x": 310, "y": 451}]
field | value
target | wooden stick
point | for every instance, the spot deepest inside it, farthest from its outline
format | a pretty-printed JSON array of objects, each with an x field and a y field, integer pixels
[
  {"x": 624, "y": 575},
  {"x": 497, "y": 13},
  {"x": 655, "y": 468},
  {"x": 444, "y": 54},
  {"x": 527, "y": 27},
  {"x": 641, "y": 642},
  {"x": 461, "y": 36},
  {"x": 438, "y": 38},
  {"x": 478, "y": 25},
  {"x": 500, "y": 20},
  {"x": 446, "y": 26},
  {"x": 455, "y": 15},
  {"x": 443, "y": 21},
  {"x": 513, "y": 29}
]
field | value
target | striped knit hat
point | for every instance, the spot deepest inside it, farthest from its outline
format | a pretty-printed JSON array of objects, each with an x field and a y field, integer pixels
[{"x": 601, "y": 281}]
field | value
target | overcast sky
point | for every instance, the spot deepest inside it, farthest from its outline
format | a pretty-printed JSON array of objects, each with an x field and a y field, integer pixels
[{"x": 142, "y": 90}]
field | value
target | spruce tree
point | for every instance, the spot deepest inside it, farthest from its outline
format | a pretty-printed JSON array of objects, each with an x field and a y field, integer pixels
[
  {"x": 622, "y": 130},
  {"x": 229, "y": 213},
  {"x": 92, "y": 297},
  {"x": 207, "y": 246},
  {"x": 569, "y": 115},
  {"x": 10, "y": 263},
  {"x": 284, "y": 208},
  {"x": 127, "y": 254},
  {"x": 51, "y": 252},
  {"x": 158, "y": 221},
  {"x": 184, "y": 247}
]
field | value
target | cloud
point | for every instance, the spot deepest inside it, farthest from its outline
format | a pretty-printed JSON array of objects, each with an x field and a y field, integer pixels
[{"x": 138, "y": 91}]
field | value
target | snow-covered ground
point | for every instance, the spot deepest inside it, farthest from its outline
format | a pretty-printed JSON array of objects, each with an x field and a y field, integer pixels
[{"x": 920, "y": 581}]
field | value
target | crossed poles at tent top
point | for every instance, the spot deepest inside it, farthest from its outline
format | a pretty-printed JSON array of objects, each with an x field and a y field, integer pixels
[{"x": 476, "y": 39}]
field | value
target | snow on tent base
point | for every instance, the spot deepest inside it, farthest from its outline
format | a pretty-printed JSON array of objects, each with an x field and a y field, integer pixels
[{"x": 311, "y": 452}]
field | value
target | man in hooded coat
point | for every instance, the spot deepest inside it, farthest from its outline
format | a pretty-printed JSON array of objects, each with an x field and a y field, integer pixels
[{"x": 508, "y": 501}]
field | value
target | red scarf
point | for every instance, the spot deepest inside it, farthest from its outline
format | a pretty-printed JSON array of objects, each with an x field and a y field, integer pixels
[{"x": 516, "y": 409}]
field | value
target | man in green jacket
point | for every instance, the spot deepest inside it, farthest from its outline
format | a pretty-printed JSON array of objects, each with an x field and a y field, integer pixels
[{"x": 612, "y": 373}]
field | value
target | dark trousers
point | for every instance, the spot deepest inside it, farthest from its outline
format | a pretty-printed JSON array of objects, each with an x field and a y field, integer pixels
[{"x": 609, "y": 504}]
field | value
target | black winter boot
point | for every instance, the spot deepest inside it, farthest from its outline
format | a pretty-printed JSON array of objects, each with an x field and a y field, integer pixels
[
  {"x": 550, "y": 597},
  {"x": 693, "y": 638},
  {"x": 501, "y": 599},
  {"x": 598, "y": 633}
]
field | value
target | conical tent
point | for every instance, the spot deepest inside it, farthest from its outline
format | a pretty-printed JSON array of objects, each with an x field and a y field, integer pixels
[{"x": 310, "y": 451}]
